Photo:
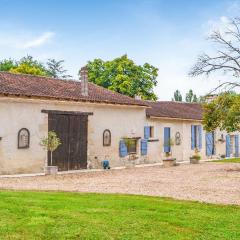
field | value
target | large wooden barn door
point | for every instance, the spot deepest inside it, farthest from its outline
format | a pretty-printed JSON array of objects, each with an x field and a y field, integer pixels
[
  {"x": 60, "y": 124},
  {"x": 72, "y": 131},
  {"x": 78, "y": 142}
]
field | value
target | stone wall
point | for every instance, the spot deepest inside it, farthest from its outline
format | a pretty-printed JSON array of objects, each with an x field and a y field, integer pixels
[
  {"x": 17, "y": 113},
  {"x": 183, "y": 151}
]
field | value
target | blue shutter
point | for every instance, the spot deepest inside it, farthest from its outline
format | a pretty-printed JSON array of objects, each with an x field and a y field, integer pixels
[
  {"x": 167, "y": 147},
  {"x": 199, "y": 137},
  {"x": 122, "y": 149},
  {"x": 228, "y": 146},
  {"x": 144, "y": 147},
  {"x": 192, "y": 137},
  {"x": 236, "y": 146},
  {"x": 209, "y": 144},
  {"x": 146, "y": 132}
]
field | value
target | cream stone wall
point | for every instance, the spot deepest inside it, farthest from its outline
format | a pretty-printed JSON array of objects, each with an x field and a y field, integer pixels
[
  {"x": 16, "y": 113},
  {"x": 122, "y": 121},
  {"x": 183, "y": 151}
]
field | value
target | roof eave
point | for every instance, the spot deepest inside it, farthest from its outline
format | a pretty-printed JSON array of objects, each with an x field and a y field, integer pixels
[
  {"x": 72, "y": 100},
  {"x": 173, "y": 118}
]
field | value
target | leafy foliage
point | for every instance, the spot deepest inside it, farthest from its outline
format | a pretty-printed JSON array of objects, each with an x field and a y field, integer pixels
[
  {"x": 51, "y": 142},
  {"x": 7, "y": 65},
  {"x": 122, "y": 75},
  {"x": 223, "y": 112},
  {"x": 26, "y": 69},
  {"x": 28, "y": 65},
  {"x": 56, "y": 70},
  {"x": 191, "y": 97},
  {"x": 177, "y": 96}
]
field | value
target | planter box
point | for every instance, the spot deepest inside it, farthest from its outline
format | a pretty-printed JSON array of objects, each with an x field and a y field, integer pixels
[
  {"x": 50, "y": 170},
  {"x": 169, "y": 162},
  {"x": 194, "y": 160}
]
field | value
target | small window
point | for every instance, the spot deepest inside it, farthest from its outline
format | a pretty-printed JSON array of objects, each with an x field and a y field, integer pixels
[
  {"x": 23, "y": 138},
  {"x": 106, "y": 138},
  {"x": 151, "y": 132},
  {"x": 131, "y": 146},
  {"x": 196, "y": 137},
  {"x": 148, "y": 132}
]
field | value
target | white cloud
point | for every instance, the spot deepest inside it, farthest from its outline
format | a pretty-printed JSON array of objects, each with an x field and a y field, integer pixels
[
  {"x": 234, "y": 7},
  {"x": 23, "y": 40},
  {"x": 39, "y": 41},
  {"x": 220, "y": 24}
]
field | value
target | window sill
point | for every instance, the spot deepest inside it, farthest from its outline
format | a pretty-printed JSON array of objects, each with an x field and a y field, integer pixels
[{"x": 153, "y": 140}]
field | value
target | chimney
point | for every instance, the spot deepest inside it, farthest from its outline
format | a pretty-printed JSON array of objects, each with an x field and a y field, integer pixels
[{"x": 84, "y": 81}]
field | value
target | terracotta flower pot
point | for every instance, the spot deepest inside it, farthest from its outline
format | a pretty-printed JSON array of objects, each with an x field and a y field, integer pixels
[
  {"x": 169, "y": 162},
  {"x": 194, "y": 160}
]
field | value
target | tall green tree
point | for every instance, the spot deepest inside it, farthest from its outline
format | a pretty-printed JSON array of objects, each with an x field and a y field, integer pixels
[
  {"x": 56, "y": 70},
  {"x": 122, "y": 75},
  {"x": 223, "y": 112},
  {"x": 191, "y": 97},
  {"x": 7, "y": 64},
  {"x": 29, "y": 65},
  {"x": 177, "y": 96}
]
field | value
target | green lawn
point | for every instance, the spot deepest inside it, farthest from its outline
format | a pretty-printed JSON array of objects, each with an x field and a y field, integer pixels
[
  {"x": 229, "y": 160},
  {"x": 46, "y": 215}
]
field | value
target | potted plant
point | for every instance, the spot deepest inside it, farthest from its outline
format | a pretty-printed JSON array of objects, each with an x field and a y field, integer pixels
[
  {"x": 194, "y": 159},
  {"x": 168, "y": 160},
  {"x": 222, "y": 156},
  {"x": 50, "y": 144}
]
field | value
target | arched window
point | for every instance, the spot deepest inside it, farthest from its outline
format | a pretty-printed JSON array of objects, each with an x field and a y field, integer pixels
[
  {"x": 106, "y": 138},
  {"x": 23, "y": 138}
]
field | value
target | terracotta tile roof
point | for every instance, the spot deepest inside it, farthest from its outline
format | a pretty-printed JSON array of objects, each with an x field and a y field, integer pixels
[
  {"x": 180, "y": 110},
  {"x": 44, "y": 87}
]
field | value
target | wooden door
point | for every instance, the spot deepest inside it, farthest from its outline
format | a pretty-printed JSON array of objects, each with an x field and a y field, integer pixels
[
  {"x": 60, "y": 124},
  {"x": 78, "y": 142},
  {"x": 72, "y": 131}
]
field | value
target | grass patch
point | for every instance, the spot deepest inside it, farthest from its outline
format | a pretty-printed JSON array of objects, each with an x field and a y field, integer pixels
[
  {"x": 228, "y": 160},
  {"x": 46, "y": 215}
]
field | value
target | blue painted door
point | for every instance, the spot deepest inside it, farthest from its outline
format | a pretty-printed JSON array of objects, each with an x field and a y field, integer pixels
[
  {"x": 228, "y": 146},
  {"x": 236, "y": 146},
  {"x": 167, "y": 147},
  {"x": 144, "y": 147},
  {"x": 199, "y": 127},
  {"x": 193, "y": 137},
  {"x": 209, "y": 144},
  {"x": 122, "y": 149}
]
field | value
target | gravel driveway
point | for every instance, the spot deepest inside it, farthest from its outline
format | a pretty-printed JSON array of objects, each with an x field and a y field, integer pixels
[{"x": 208, "y": 182}]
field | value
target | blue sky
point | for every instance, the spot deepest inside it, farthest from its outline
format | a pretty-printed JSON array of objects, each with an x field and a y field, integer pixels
[{"x": 167, "y": 34}]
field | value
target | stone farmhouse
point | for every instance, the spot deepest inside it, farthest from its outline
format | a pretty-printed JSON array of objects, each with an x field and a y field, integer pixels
[{"x": 95, "y": 124}]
